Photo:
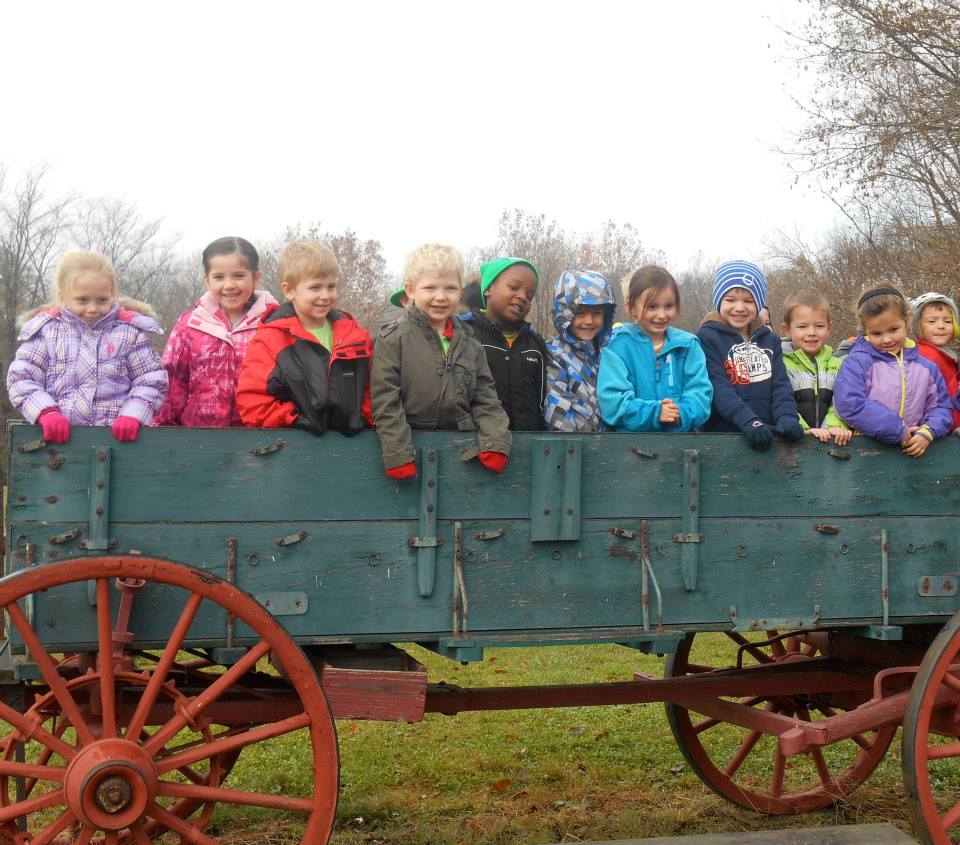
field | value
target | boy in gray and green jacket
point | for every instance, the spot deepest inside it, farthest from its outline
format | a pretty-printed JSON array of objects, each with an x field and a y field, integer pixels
[
  {"x": 811, "y": 366},
  {"x": 429, "y": 372}
]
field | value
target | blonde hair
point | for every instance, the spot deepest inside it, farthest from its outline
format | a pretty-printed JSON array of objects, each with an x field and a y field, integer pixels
[
  {"x": 73, "y": 265},
  {"x": 805, "y": 298},
  {"x": 438, "y": 259},
  {"x": 306, "y": 259}
]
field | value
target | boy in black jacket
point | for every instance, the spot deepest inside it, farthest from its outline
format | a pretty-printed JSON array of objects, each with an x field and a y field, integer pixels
[
  {"x": 517, "y": 355},
  {"x": 751, "y": 389}
]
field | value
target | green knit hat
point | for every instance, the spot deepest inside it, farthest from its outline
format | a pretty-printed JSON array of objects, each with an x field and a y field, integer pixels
[
  {"x": 490, "y": 270},
  {"x": 395, "y": 297}
]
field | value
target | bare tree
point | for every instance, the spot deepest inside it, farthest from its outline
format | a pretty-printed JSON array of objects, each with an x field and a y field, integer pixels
[
  {"x": 885, "y": 117},
  {"x": 32, "y": 227},
  {"x": 143, "y": 260}
]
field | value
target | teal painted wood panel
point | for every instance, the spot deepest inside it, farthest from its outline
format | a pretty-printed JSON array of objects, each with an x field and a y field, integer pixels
[
  {"x": 212, "y": 475},
  {"x": 359, "y": 580}
]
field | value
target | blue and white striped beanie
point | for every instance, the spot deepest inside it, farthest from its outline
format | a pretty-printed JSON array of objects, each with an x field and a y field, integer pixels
[{"x": 740, "y": 274}]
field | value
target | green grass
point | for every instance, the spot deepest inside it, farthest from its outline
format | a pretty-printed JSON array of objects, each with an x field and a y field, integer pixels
[{"x": 562, "y": 775}]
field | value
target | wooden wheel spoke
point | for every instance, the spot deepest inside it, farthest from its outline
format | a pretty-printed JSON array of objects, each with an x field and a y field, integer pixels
[
  {"x": 951, "y": 681},
  {"x": 31, "y": 805},
  {"x": 779, "y": 768},
  {"x": 776, "y": 647},
  {"x": 12, "y": 768},
  {"x": 860, "y": 740},
  {"x": 705, "y": 725},
  {"x": 751, "y": 648},
  {"x": 187, "y": 831},
  {"x": 232, "y": 743},
  {"x": 951, "y": 817},
  {"x": 50, "y": 674},
  {"x": 192, "y": 775},
  {"x": 26, "y": 727},
  {"x": 217, "y": 794},
  {"x": 108, "y": 690},
  {"x": 741, "y": 753},
  {"x": 111, "y": 837},
  {"x": 200, "y": 702},
  {"x": 140, "y": 835},
  {"x": 162, "y": 669},
  {"x": 85, "y": 835},
  {"x": 54, "y": 829},
  {"x": 822, "y": 770},
  {"x": 943, "y": 750}
]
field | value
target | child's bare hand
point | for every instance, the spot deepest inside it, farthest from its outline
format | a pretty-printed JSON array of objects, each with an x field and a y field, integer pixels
[
  {"x": 669, "y": 412},
  {"x": 841, "y": 436},
  {"x": 908, "y": 436},
  {"x": 822, "y": 434},
  {"x": 916, "y": 446}
]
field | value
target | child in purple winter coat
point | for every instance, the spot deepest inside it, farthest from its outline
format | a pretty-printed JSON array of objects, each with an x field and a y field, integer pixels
[
  {"x": 86, "y": 359},
  {"x": 885, "y": 388}
]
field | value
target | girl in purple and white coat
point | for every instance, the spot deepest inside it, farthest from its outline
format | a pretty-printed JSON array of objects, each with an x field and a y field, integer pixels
[
  {"x": 885, "y": 388},
  {"x": 86, "y": 358}
]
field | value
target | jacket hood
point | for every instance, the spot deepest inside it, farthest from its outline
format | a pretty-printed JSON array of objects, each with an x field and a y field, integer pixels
[
  {"x": 124, "y": 303},
  {"x": 481, "y": 319},
  {"x": 933, "y": 298},
  {"x": 862, "y": 345},
  {"x": 714, "y": 317},
  {"x": 826, "y": 351},
  {"x": 673, "y": 338},
  {"x": 138, "y": 314},
  {"x": 582, "y": 287}
]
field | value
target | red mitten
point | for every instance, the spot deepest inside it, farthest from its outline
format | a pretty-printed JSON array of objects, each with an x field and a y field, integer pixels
[
  {"x": 56, "y": 427},
  {"x": 496, "y": 461},
  {"x": 403, "y": 471},
  {"x": 126, "y": 429}
]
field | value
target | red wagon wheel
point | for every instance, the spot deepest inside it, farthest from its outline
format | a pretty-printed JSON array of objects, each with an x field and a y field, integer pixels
[
  {"x": 124, "y": 756},
  {"x": 931, "y": 726},
  {"x": 746, "y": 766}
]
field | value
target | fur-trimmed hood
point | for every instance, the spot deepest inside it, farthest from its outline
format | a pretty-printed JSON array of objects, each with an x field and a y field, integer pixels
[
  {"x": 126, "y": 303},
  {"x": 139, "y": 315}
]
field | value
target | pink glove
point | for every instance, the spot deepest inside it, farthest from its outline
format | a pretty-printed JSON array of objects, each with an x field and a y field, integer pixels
[
  {"x": 126, "y": 429},
  {"x": 56, "y": 427},
  {"x": 403, "y": 471},
  {"x": 496, "y": 461}
]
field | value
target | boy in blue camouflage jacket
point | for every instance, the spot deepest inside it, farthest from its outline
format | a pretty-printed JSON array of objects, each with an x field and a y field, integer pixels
[{"x": 583, "y": 308}]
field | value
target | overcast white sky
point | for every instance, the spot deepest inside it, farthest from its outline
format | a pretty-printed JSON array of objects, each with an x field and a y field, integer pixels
[{"x": 415, "y": 121}]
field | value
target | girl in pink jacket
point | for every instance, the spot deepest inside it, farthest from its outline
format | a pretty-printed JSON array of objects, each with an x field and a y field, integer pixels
[
  {"x": 86, "y": 358},
  {"x": 207, "y": 345}
]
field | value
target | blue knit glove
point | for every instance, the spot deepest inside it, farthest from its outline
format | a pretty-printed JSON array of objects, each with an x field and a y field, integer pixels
[
  {"x": 759, "y": 435},
  {"x": 790, "y": 428}
]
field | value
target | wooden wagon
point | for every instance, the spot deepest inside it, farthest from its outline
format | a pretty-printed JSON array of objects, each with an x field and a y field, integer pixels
[{"x": 172, "y": 602}]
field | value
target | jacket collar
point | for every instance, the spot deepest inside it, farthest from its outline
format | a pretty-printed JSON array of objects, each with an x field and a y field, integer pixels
[
  {"x": 713, "y": 320},
  {"x": 208, "y": 318},
  {"x": 928, "y": 350}
]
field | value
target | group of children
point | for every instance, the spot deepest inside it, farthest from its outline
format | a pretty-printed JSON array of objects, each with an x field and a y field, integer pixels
[{"x": 237, "y": 357}]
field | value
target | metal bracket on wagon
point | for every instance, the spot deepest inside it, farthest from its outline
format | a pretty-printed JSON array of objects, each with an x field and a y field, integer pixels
[{"x": 769, "y": 624}]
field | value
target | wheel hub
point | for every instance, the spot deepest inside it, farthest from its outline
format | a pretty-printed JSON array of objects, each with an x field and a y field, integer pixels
[
  {"x": 113, "y": 794},
  {"x": 110, "y": 783}
]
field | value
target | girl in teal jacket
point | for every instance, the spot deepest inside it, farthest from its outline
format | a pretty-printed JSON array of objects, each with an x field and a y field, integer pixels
[{"x": 653, "y": 377}]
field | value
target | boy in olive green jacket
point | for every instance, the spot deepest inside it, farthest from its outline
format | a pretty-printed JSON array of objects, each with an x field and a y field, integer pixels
[
  {"x": 811, "y": 366},
  {"x": 428, "y": 372}
]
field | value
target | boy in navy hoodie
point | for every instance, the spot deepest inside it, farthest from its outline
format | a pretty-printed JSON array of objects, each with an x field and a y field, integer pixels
[{"x": 751, "y": 388}]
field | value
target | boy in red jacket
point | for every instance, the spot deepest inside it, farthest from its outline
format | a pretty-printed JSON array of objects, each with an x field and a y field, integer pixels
[
  {"x": 308, "y": 366},
  {"x": 937, "y": 328}
]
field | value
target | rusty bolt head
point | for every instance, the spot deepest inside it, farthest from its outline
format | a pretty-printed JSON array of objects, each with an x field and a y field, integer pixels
[{"x": 113, "y": 794}]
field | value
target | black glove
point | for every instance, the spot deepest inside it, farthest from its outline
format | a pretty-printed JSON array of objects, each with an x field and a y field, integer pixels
[
  {"x": 759, "y": 435},
  {"x": 790, "y": 428}
]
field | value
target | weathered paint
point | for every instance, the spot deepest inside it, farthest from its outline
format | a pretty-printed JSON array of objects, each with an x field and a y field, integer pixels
[{"x": 182, "y": 494}]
